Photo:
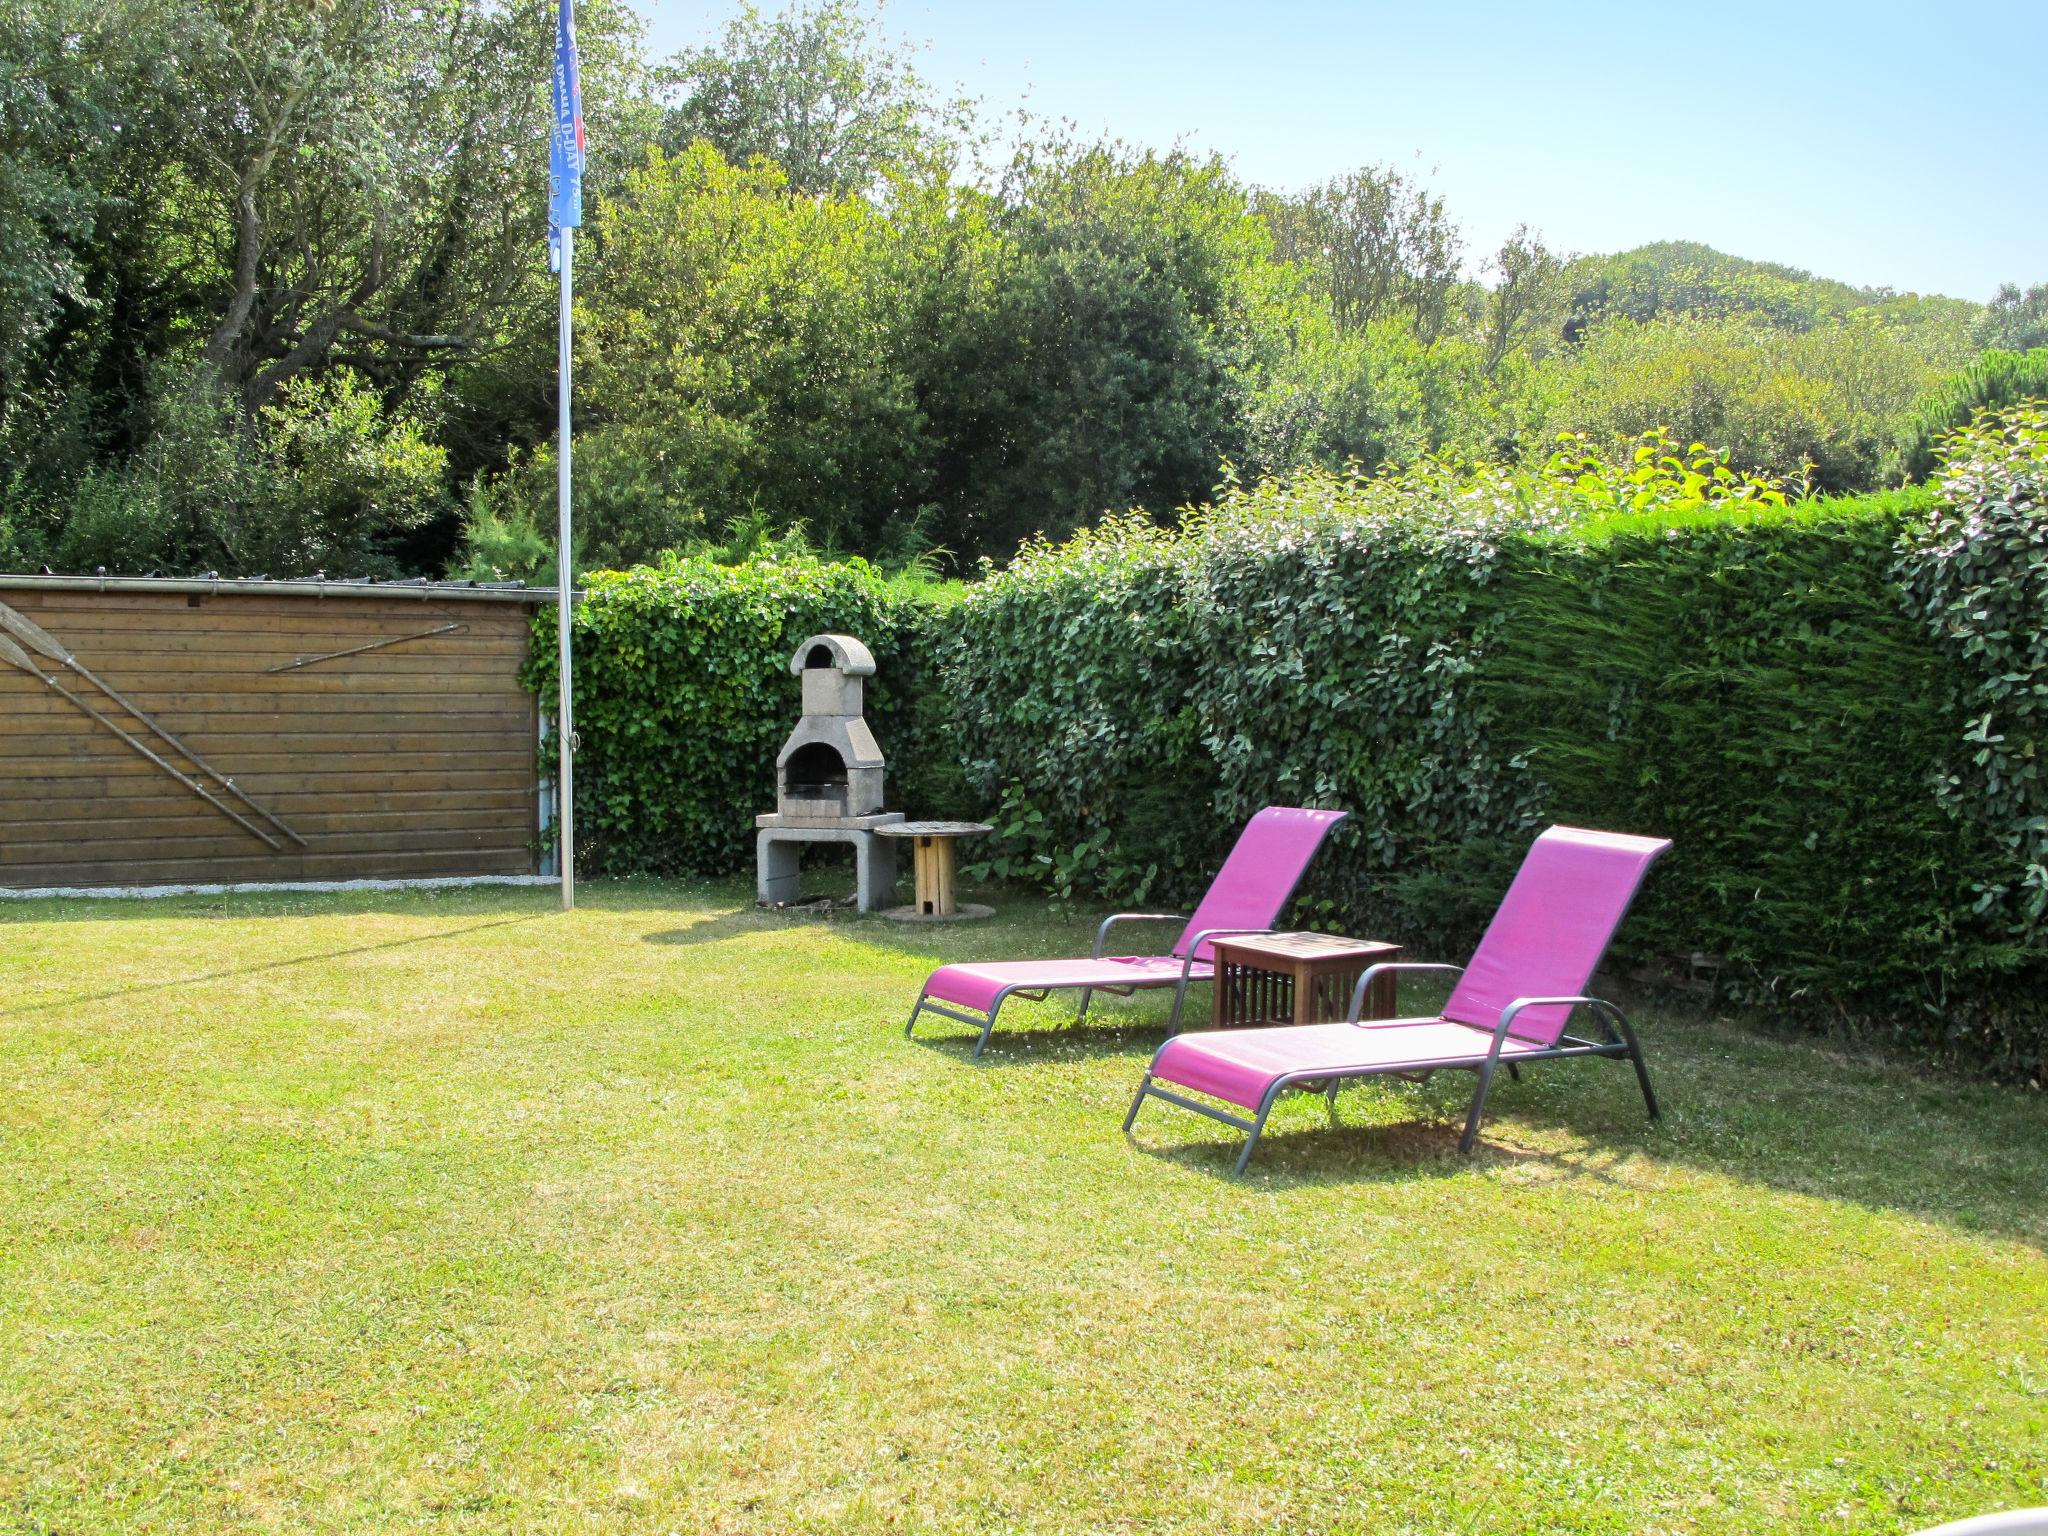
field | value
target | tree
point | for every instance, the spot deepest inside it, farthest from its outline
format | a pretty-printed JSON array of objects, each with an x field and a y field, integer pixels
[
  {"x": 744, "y": 355},
  {"x": 1527, "y": 298},
  {"x": 1370, "y": 244},
  {"x": 1775, "y": 399},
  {"x": 362, "y": 184},
  {"x": 1992, "y": 381},
  {"x": 57, "y": 122},
  {"x": 816, "y": 90},
  {"x": 1377, "y": 397},
  {"x": 1105, "y": 344},
  {"x": 2014, "y": 321}
]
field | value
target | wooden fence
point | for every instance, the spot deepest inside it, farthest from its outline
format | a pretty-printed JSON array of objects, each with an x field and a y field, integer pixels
[{"x": 361, "y": 731}]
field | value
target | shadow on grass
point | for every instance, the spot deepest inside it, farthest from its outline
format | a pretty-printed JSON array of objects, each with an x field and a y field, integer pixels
[
  {"x": 715, "y": 929},
  {"x": 1338, "y": 1153},
  {"x": 1380, "y": 1150},
  {"x": 1742, "y": 1099},
  {"x": 1792, "y": 1115},
  {"x": 1016, "y": 1048},
  {"x": 144, "y": 988}
]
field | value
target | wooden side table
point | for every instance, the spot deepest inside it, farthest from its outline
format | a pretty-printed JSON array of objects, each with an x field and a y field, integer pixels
[
  {"x": 1296, "y": 978},
  {"x": 933, "y": 867}
]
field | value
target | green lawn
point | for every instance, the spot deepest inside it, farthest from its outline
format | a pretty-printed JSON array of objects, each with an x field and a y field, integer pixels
[{"x": 450, "y": 1213}]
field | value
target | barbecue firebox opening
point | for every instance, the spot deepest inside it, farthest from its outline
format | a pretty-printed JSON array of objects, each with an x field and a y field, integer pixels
[{"x": 814, "y": 772}]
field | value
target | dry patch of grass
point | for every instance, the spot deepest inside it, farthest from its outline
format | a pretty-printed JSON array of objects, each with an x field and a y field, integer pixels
[{"x": 446, "y": 1212}]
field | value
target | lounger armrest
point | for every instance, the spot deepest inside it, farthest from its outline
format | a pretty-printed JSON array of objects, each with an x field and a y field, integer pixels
[
  {"x": 1507, "y": 1015},
  {"x": 1207, "y": 934},
  {"x": 1383, "y": 968},
  {"x": 1102, "y": 933}
]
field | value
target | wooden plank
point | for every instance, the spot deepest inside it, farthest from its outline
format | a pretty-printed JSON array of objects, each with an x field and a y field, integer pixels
[
  {"x": 256, "y": 653},
  {"x": 377, "y": 866},
  {"x": 156, "y": 799},
  {"x": 284, "y": 635},
  {"x": 201, "y": 711},
  {"x": 169, "y": 610},
  {"x": 285, "y": 742},
  {"x": 250, "y": 764},
  {"x": 163, "y": 607},
  {"x": 500, "y": 685},
  {"x": 483, "y": 718},
  {"x": 194, "y": 844},
  {"x": 167, "y": 823},
  {"x": 19, "y": 798},
  {"x": 420, "y": 692},
  {"x": 73, "y": 824},
  {"x": 454, "y": 678},
  {"x": 253, "y": 632}
]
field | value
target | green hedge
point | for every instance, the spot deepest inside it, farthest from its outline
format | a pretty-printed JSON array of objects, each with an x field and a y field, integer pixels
[
  {"x": 684, "y": 697},
  {"x": 1458, "y": 672},
  {"x": 1456, "y": 665}
]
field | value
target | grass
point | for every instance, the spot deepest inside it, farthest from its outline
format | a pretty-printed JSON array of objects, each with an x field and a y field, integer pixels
[{"x": 441, "y": 1212}]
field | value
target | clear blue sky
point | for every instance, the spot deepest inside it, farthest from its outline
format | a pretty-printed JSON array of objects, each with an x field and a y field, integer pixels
[{"x": 1877, "y": 143}]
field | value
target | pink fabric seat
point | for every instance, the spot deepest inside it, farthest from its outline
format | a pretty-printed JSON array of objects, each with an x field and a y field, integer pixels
[
  {"x": 1248, "y": 895},
  {"x": 980, "y": 986},
  {"x": 1240, "y": 1065},
  {"x": 1511, "y": 1004}
]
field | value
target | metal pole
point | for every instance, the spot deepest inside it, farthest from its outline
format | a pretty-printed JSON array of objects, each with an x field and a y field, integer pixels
[{"x": 565, "y": 582}]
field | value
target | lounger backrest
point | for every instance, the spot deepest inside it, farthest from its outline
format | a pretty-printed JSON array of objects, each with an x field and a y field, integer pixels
[
  {"x": 1552, "y": 928},
  {"x": 1252, "y": 888}
]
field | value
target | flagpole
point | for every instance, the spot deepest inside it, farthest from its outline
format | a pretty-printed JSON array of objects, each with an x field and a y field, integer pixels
[
  {"x": 565, "y": 212},
  {"x": 566, "y": 583}
]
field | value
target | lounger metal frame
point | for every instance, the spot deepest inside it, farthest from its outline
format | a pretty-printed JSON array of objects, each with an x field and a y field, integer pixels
[
  {"x": 1623, "y": 1044},
  {"x": 1033, "y": 994}
]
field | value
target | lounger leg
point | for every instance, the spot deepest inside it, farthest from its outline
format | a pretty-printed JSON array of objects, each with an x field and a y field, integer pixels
[
  {"x": 1514, "y": 1072},
  {"x": 1251, "y": 1139},
  {"x": 1478, "y": 1107},
  {"x": 1144, "y": 1088},
  {"x": 988, "y": 1025},
  {"x": 1635, "y": 1055},
  {"x": 914, "y": 1012},
  {"x": 1087, "y": 995},
  {"x": 1180, "y": 997}
]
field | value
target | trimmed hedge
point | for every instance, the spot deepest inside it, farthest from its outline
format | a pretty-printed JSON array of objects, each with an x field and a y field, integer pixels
[
  {"x": 684, "y": 697},
  {"x": 1457, "y": 664}
]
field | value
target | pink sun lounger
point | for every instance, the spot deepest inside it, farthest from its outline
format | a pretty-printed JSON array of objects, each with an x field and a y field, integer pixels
[
  {"x": 1511, "y": 1004},
  {"x": 1248, "y": 895}
]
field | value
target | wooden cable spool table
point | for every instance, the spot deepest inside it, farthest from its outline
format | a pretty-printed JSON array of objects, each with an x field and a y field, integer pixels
[{"x": 933, "y": 868}]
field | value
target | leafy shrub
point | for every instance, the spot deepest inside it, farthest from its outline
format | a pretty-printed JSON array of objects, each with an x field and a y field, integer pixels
[
  {"x": 684, "y": 697},
  {"x": 1995, "y": 379},
  {"x": 1978, "y": 574},
  {"x": 323, "y": 480},
  {"x": 1069, "y": 675},
  {"x": 1775, "y": 400}
]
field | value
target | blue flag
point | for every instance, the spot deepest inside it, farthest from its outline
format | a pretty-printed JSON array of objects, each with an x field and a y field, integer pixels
[{"x": 565, "y": 149}]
